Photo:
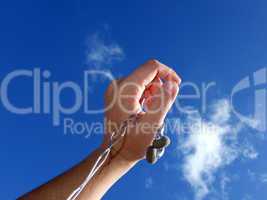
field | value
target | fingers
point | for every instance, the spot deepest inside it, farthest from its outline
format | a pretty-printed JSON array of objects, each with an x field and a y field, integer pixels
[
  {"x": 160, "y": 102},
  {"x": 150, "y": 91},
  {"x": 154, "y": 82},
  {"x": 145, "y": 74}
]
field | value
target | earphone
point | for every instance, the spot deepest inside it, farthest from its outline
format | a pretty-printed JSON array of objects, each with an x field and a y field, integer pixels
[{"x": 157, "y": 149}]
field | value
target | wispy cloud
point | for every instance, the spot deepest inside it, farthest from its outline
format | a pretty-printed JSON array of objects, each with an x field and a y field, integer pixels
[
  {"x": 223, "y": 186},
  {"x": 210, "y": 145},
  {"x": 249, "y": 151},
  {"x": 101, "y": 52}
]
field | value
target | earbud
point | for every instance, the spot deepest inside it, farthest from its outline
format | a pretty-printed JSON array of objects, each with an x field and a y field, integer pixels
[
  {"x": 151, "y": 155},
  {"x": 162, "y": 142},
  {"x": 157, "y": 149}
]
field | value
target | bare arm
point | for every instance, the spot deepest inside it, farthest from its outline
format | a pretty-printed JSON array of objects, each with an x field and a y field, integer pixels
[
  {"x": 63, "y": 185},
  {"x": 122, "y": 99}
]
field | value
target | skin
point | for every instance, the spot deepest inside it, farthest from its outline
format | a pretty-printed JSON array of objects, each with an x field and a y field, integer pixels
[{"x": 154, "y": 84}]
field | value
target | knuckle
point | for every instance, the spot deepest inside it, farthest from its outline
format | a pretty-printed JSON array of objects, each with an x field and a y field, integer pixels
[{"x": 153, "y": 62}]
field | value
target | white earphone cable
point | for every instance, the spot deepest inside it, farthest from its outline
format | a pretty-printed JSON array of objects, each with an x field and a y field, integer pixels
[{"x": 102, "y": 158}]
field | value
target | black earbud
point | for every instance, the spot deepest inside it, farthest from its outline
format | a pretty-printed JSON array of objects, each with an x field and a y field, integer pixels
[
  {"x": 157, "y": 149},
  {"x": 162, "y": 142},
  {"x": 151, "y": 155}
]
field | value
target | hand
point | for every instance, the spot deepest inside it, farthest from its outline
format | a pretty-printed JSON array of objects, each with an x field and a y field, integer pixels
[{"x": 154, "y": 84}]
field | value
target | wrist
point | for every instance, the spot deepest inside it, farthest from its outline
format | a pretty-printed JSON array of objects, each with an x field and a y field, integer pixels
[
  {"x": 122, "y": 161},
  {"x": 126, "y": 157},
  {"x": 117, "y": 156}
]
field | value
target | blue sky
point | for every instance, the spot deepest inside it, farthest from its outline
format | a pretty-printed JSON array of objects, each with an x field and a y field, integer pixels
[{"x": 204, "y": 41}]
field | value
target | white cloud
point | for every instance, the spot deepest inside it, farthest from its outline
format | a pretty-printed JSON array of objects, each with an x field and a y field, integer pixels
[
  {"x": 223, "y": 184},
  {"x": 221, "y": 111},
  {"x": 210, "y": 145},
  {"x": 249, "y": 151},
  {"x": 100, "y": 53}
]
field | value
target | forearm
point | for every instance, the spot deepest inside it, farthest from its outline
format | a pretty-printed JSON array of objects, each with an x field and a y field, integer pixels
[
  {"x": 62, "y": 186},
  {"x": 108, "y": 175}
]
